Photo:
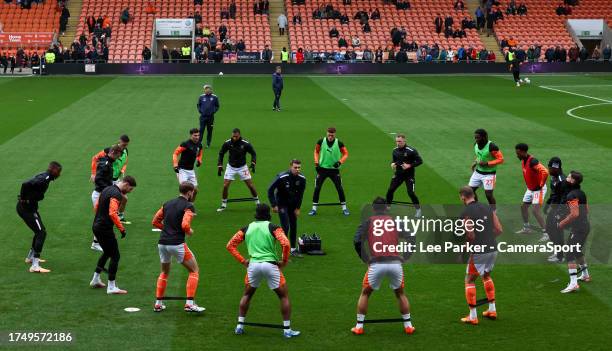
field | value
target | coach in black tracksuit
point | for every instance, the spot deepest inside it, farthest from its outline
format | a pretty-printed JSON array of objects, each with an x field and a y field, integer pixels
[
  {"x": 553, "y": 208},
  {"x": 285, "y": 195},
  {"x": 405, "y": 160},
  {"x": 208, "y": 105},
  {"x": 32, "y": 192}
]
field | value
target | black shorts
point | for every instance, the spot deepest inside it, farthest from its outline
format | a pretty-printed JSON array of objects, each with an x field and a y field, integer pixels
[{"x": 577, "y": 238}]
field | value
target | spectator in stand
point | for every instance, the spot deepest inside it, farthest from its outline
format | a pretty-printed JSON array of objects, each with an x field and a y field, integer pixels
[
  {"x": 490, "y": 23},
  {"x": 367, "y": 55},
  {"x": 146, "y": 55},
  {"x": 266, "y": 7},
  {"x": 206, "y": 32},
  {"x": 402, "y": 5},
  {"x": 342, "y": 43},
  {"x": 467, "y": 23},
  {"x": 375, "y": 14},
  {"x": 222, "y": 30},
  {"x": 461, "y": 54},
  {"x": 584, "y": 54},
  {"x": 459, "y": 5},
  {"x": 225, "y": 13},
  {"x": 499, "y": 15},
  {"x": 212, "y": 40},
  {"x": 333, "y": 33},
  {"x": 482, "y": 55},
  {"x": 397, "y": 36},
  {"x": 562, "y": 55},
  {"x": 561, "y": 10},
  {"x": 448, "y": 21},
  {"x": 308, "y": 55},
  {"x": 266, "y": 54},
  {"x": 607, "y": 53},
  {"x": 596, "y": 53},
  {"x": 198, "y": 2},
  {"x": 282, "y": 23},
  {"x": 480, "y": 18},
  {"x": 125, "y": 16},
  {"x": 511, "y": 9},
  {"x": 257, "y": 10},
  {"x": 344, "y": 19},
  {"x": 355, "y": 41},
  {"x": 197, "y": 17},
  {"x": 299, "y": 56},
  {"x": 297, "y": 18},
  {"x": 175, "y": 55},
  {"x": 401, "y": 56},
  {"x": 448, "y": 32},
  {"x": 91, "y": 23},
  {"x": 151, "y": 10},
  {"x": 443, "y": 55},
  {"x": 549, "y": 54},
  {"x": 284, "y": 55},
  {"x": 491, "y": 57},
  {"x": 378, "y": 55},
  {"x": 366, "y": 28},
  {"x": 438, "y": 23},
  {"x": 232, "y": 9},
  {"x": 63, "y": 20},
  {"x": 522, "y": 9},
  {"x": 361, "y": 16},
  {"x": 240, "y": 46},
  {"x": 346, "y": 2},
  {"x": 573, "y": 53}
]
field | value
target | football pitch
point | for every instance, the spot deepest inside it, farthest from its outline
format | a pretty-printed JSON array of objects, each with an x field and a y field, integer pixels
[{"x": 69, "y": 119}]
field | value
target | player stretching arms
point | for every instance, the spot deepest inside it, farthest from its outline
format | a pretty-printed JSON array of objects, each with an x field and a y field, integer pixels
[
  {"x": 190, "y": 152},
  {"x": 330, "y": 153},
  {"x": 262, "y": 240},
  {"x": 119, "y": 167},
  {"x": 174, "y": 220},
  {"x": 103, "y": 179},
  {"x": 484, "y": 167},
  {"x": 535, "y": 175},
  {"x": 107, "y": 216},
  {"x": 32, "y": 192},
  {"x": 480, "y": 264},
  {"x": 405, "y": 159},
  {"x": 236, "y": 165},
  {"x": 578, "y": 221},
  {"x": 380, "y": 266}
]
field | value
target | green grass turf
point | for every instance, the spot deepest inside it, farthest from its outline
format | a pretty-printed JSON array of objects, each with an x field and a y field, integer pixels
[{"x": 69, "y": 119}]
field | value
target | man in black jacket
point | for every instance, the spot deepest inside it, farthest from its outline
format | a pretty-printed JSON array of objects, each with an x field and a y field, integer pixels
[
  {"x": 405, "y": 160},
  {"x": 236, "y": 166},
  {"x": 277, "y": 87},
  {"x": 553, "y": 208},
  {"x": 208, "y": 105},
  {"x": 32, "y": 192},
  {"x": 285, "y": 195}
]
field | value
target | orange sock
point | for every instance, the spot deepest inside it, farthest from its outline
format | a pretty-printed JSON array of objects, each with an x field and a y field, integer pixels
[
  {"x": 192, "y": 284},
  {"x": 470, "y": 294},
  {"x": 489, "y": 289},
  {"x": 162, "y": 281}
]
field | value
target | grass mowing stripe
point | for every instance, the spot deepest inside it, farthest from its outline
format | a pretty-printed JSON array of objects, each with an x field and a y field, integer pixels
[{"x": 28, "y": 101}]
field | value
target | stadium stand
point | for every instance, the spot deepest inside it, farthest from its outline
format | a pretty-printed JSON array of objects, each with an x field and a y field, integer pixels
[
  {"x": 542, "y": 26},
  {"x": 129, "y": 39},
  {"x": 41, "y": 20},
  {"x": 418, "y": 21}
]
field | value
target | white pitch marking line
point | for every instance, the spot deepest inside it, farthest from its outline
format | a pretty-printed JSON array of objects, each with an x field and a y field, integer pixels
[
  {"x": 571, "y": 114},
  {"x": 577, "y": 94}
]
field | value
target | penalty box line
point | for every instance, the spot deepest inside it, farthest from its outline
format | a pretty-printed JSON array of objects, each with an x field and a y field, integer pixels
[{"x": 576, "y": 94}]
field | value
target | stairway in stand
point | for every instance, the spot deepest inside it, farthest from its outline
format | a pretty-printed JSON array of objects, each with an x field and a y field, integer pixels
[
  {"x": 490, "y": 43},
  {"x": 278, "y": 41}
]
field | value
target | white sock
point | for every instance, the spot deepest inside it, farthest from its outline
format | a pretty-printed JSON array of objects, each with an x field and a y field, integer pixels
[
  {"x": 35, "y": 261},
  {"x": 526, "y": 225},
  {"x": 573, "y": 272},
  {"x": 584, "y": 269},
  {"x": 473, "y": 313},
  {"x": 314, "y": 207},
  {"x": 418, "y": 212},
  {"x": 224, "y": 203},
  {"x": 257, "y": 200},
  {"x": 111, "y": 285},
  {"x": 360, "y": 319},
  {"x": 492, "y": 307},
  {"x": 287, "y": 325},
  {"x": 159, "y": 302},
  {"x": 407, "y": 321},
  {"x": 344, "y": 206},
  {"x": 189, "y": 302},
  {"x": 96, "y": 277},
  {"x": 240, "y": 320}
]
